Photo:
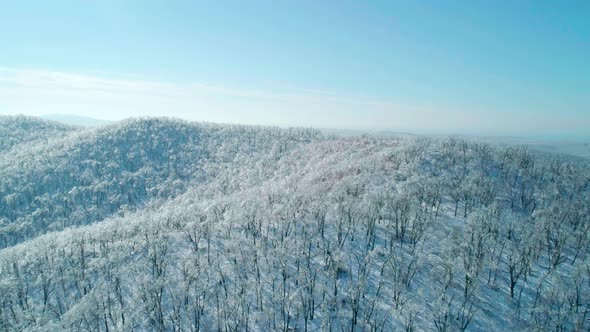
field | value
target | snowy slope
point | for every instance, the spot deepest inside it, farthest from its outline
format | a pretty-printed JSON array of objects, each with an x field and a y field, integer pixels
[
  {"x": 20, "y": 129},
  {"x": 288, "y": 230}
]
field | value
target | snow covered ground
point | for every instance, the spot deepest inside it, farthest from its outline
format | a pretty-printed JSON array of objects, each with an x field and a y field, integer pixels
[{"x": 159, "y": 224}]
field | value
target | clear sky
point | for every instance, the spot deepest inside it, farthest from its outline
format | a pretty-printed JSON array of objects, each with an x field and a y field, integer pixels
[{"x": 504, "y": 67}]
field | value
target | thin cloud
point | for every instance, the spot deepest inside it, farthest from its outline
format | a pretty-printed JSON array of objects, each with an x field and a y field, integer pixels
[{"x": 39, "y": 92}]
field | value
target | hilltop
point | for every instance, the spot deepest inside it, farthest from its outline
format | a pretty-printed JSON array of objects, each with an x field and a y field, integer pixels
[{"x": 21, "y": 129}]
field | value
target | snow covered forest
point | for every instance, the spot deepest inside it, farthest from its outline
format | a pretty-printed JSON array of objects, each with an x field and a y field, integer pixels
[{"x": 166, "y": 225}]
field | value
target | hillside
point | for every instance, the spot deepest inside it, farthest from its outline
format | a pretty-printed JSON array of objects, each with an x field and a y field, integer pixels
[
  {"x": 21, "y": 129},
  {"x": 93, "y": 174},
  {"x": 160, "y": 224}
]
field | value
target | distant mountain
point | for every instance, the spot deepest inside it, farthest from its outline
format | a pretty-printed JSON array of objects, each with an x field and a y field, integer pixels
[
  {"x": 76, "y": 120},
  {"x": 167, "y": 225},
  {"x": 578, "y": 147}
]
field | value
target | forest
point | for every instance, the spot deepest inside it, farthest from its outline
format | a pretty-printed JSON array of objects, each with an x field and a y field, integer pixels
[{"x": 159, "y": 224}]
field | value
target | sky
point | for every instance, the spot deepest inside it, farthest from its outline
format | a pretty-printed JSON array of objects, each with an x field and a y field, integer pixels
[{"x": 480, "y": 67}]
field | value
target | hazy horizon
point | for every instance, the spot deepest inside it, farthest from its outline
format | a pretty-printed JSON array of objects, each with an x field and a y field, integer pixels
[
  {"x": 555, "y": 141},
  {"x": 448, "y": 68}
]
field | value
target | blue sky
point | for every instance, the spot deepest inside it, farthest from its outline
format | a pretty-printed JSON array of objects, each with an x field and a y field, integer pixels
[{"x": 446, "y": 66}]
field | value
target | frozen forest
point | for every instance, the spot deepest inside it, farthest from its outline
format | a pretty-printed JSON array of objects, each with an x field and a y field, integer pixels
[{"x": 165, "y": 225}]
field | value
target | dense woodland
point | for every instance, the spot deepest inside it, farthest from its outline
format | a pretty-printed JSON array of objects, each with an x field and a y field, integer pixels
[
  {"x": 160, "y": 224},
  {"x": 22, "y": 129}
]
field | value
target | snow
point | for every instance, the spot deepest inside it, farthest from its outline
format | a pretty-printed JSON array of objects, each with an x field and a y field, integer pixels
[{"x": 159, "y": 224}]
